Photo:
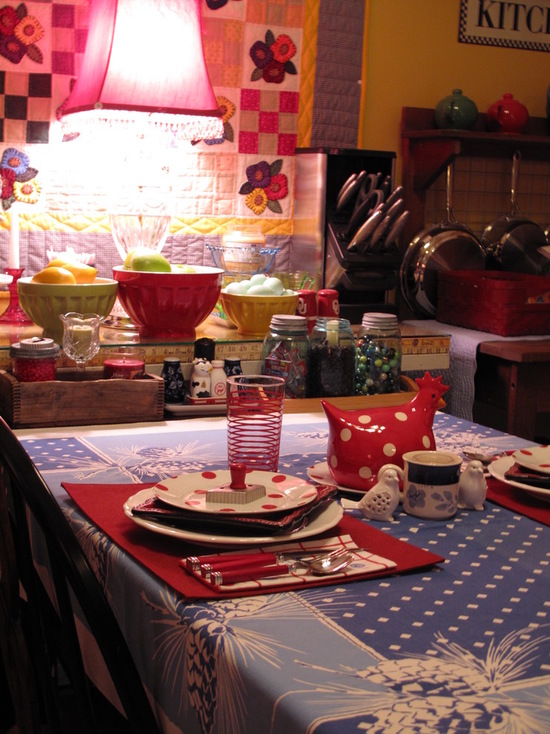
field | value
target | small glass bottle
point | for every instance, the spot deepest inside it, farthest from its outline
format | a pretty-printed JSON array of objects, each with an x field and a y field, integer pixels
[
  {"x": 285, "y": 352},
  {"x": 34, "y": 359},
  {"x": 174, "y": 387},
  {"x": 378, "y": 359},
  {"x": 332, "y": 359}
]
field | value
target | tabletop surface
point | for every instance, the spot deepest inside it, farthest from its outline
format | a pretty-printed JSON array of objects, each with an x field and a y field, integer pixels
[{"x": 456, "y": 648}]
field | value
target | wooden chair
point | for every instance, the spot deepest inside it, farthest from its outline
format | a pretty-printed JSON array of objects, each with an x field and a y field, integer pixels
[{"x": 38, "y": 613}]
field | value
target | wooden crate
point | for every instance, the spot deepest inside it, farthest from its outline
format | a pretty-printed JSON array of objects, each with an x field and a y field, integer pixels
[
  {"x": 508, "y": 304},
  {"x": 67, "y": 401}
]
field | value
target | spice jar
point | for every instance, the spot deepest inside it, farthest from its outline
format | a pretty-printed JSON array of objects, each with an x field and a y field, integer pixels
[
  {"x": 332, "y": 359},
  {"x": 285, "y": 352},
  {"x": 378, "y": 357},
  {"x": 34, "y": 359}
]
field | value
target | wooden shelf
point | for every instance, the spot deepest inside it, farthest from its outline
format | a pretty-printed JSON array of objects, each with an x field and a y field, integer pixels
[{"x": 427, "y": 151}]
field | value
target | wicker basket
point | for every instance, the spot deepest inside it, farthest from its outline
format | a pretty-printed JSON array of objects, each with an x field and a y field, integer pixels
[{"x": 508, "y": 304}]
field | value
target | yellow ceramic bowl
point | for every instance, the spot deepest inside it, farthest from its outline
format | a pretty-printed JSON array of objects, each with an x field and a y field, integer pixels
[
  {"x": 252, "y": 314},
  {"x": 45, "y": 302}
]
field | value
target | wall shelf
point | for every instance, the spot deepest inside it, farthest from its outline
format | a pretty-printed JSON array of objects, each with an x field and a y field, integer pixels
[{"x": 427, "y": 151}]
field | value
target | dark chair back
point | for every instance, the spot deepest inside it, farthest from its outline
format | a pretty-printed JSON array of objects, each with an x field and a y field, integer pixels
[{"x": 56, "y": 604}]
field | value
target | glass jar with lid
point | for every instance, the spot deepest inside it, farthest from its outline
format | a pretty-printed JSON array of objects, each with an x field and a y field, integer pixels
[
  {"x": 285, "y": 352},
  {"x": 378, "y": 357},
  {"x": 34, "y": 359},
  {"x": 332, "y": 359}
]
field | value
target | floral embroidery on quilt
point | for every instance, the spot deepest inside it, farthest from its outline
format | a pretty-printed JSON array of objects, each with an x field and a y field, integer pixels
[
  {"x": 18, "y": 179},
  {"x": 272, "y": 58},
  {"x": 227, "y": 108},
  {"x": 265, "y": 186},
  {"x": 19, "y": 34}
]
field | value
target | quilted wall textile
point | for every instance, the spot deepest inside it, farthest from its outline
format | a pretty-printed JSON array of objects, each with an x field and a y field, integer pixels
[{"x": 312, "y": 101}]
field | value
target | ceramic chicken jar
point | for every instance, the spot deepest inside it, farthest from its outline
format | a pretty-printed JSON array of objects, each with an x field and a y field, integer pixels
[
  {"x": 472, "y": 487},
  {"x": 361, "y": 441}
]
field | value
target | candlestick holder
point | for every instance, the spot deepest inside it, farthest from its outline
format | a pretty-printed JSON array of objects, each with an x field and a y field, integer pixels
[{"x": 14, "y": 314}]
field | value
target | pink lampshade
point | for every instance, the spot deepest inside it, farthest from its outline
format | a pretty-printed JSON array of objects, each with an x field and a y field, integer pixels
[{"x": 144, "y": 61}]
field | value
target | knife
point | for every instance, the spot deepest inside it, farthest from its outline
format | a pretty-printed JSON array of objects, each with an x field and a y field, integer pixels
[
  {"x": 396, "y": 229},
  {"x": 366, "y": 229},
  {"x": 349, "y": 189}
]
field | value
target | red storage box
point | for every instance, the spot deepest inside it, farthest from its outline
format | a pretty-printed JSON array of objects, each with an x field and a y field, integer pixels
[{"x": 509, "y": 304}]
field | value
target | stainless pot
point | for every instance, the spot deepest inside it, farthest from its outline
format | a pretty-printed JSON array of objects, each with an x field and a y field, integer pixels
[
  {"x": 445, "y": 246},
  {"x": 512, "y": 242}
]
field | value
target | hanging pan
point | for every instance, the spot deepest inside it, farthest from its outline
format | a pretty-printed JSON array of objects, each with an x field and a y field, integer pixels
[
  {"x": 445, "y": 246},
  {"x": 513, "y": 242}
]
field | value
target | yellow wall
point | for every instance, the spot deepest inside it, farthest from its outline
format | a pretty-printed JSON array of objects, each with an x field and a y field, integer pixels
[{"x": 414, "y": 59}]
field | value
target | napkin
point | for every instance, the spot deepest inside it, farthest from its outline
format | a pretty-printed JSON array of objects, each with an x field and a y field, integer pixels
[
  {"x": 364, "y": 562},
  {"x": 518, "y": 473},
  {"x": 274, "y": 523}
]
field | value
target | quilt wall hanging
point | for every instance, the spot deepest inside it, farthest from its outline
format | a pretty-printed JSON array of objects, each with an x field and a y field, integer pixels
[{"x": 285, "y": 73}]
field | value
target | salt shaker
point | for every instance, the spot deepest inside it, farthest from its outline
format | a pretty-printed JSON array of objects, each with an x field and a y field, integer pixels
[
  {"x": 218, "y": 379},
  {"x": 174, "y": 388}
]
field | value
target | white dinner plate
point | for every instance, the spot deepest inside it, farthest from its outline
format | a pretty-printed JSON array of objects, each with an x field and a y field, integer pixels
[
  {"x": 536, "y": 458},
  {"x": 189, "y": 492},
  {"x": 498, "y": 469},
  {"x": 320, "y": 473},
  {"x": 327, "y": 519}
]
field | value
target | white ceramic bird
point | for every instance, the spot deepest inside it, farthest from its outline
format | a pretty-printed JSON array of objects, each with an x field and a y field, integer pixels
[
  {"x": 379, "y": 503},
  {"x": 472, "y": 487}
]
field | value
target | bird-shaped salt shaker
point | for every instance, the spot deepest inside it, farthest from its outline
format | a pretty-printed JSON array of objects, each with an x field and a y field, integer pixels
[
  {"x": 380, "y": 501},
  {"x": 472, "y": 487}
]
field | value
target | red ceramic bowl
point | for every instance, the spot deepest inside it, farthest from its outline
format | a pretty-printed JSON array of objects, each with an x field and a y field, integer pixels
[{"x": 168, "y": 304}]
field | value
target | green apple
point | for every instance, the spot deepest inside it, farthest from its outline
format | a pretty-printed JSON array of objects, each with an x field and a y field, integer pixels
[{"x": 151, "y": 261}]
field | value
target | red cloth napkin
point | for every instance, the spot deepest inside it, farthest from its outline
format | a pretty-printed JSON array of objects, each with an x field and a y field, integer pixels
[
  {"x": 102, "y": 503},
  {"x": 518, "y": 500}
]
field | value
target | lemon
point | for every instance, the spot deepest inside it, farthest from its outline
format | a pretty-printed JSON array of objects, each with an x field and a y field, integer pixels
[
  {"x": 82, "y": 273},
  {"x": 55, "y": 274}
]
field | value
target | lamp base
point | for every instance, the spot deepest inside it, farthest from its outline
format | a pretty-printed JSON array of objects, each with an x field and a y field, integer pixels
[{"x": 14, "y": 314}]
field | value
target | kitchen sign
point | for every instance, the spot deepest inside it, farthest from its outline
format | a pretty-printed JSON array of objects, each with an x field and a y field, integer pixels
[{"x": 506, "y": 23}]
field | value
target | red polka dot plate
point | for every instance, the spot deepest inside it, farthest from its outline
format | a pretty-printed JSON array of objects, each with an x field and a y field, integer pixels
[{"x": 196, "y": 492}]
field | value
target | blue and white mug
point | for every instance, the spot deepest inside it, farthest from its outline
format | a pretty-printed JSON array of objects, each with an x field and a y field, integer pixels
[{"x": 430, "y": 483}]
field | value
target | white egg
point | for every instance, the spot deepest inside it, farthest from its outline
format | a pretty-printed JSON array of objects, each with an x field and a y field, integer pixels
[
  {"x": 245, "y": 284},
  {"x": 274, "y": 285},
  {"x": 235, "y": 288},
  {"x": 259, "y": 290},
  {"x": 258, "y": 279},
  {"x": 288, "y": 292}
]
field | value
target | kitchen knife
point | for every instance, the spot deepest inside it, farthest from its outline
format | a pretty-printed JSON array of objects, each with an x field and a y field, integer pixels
[
  {"x": 366, "y": 229},
  {"x": 349, "y": 189},
  {"x": 396, "y": 229},
  {"x": 360, "y": 215}
]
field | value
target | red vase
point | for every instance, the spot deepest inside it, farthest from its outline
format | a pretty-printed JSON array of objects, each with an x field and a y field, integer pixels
[{"x": 507, "y": 115}]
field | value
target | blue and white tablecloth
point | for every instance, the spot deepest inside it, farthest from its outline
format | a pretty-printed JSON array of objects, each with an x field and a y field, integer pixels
[{"x": 459, "y": 648}]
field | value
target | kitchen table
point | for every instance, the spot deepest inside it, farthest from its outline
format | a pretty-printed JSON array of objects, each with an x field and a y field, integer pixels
[{"x": 459, "y": 646}]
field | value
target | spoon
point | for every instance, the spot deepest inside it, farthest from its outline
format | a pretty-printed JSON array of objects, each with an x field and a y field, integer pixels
[{"x": 485, "y": 459}]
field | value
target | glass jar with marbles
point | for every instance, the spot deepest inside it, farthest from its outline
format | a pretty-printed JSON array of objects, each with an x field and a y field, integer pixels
[{"x": 378, "y": 355}]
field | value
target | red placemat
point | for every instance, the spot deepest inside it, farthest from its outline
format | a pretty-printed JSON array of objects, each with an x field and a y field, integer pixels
[
  {"x": 103, "y": 503},
  {"x": 518, "y": 500}
]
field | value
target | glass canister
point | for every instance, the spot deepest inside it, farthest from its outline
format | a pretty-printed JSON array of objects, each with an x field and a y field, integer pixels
[
  {"x": 34, "y": 359},
  {"x": 285, "y": 352},
  {"x": 332, "y": 359},
  {"x": 378, "y": 357}
]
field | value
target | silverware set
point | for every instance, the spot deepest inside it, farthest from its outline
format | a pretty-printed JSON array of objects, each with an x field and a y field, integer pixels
[{"x": 228, "y": 568}]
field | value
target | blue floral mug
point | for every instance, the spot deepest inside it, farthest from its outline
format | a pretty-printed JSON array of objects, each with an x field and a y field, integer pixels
[{"x": 430, "y": 483}]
